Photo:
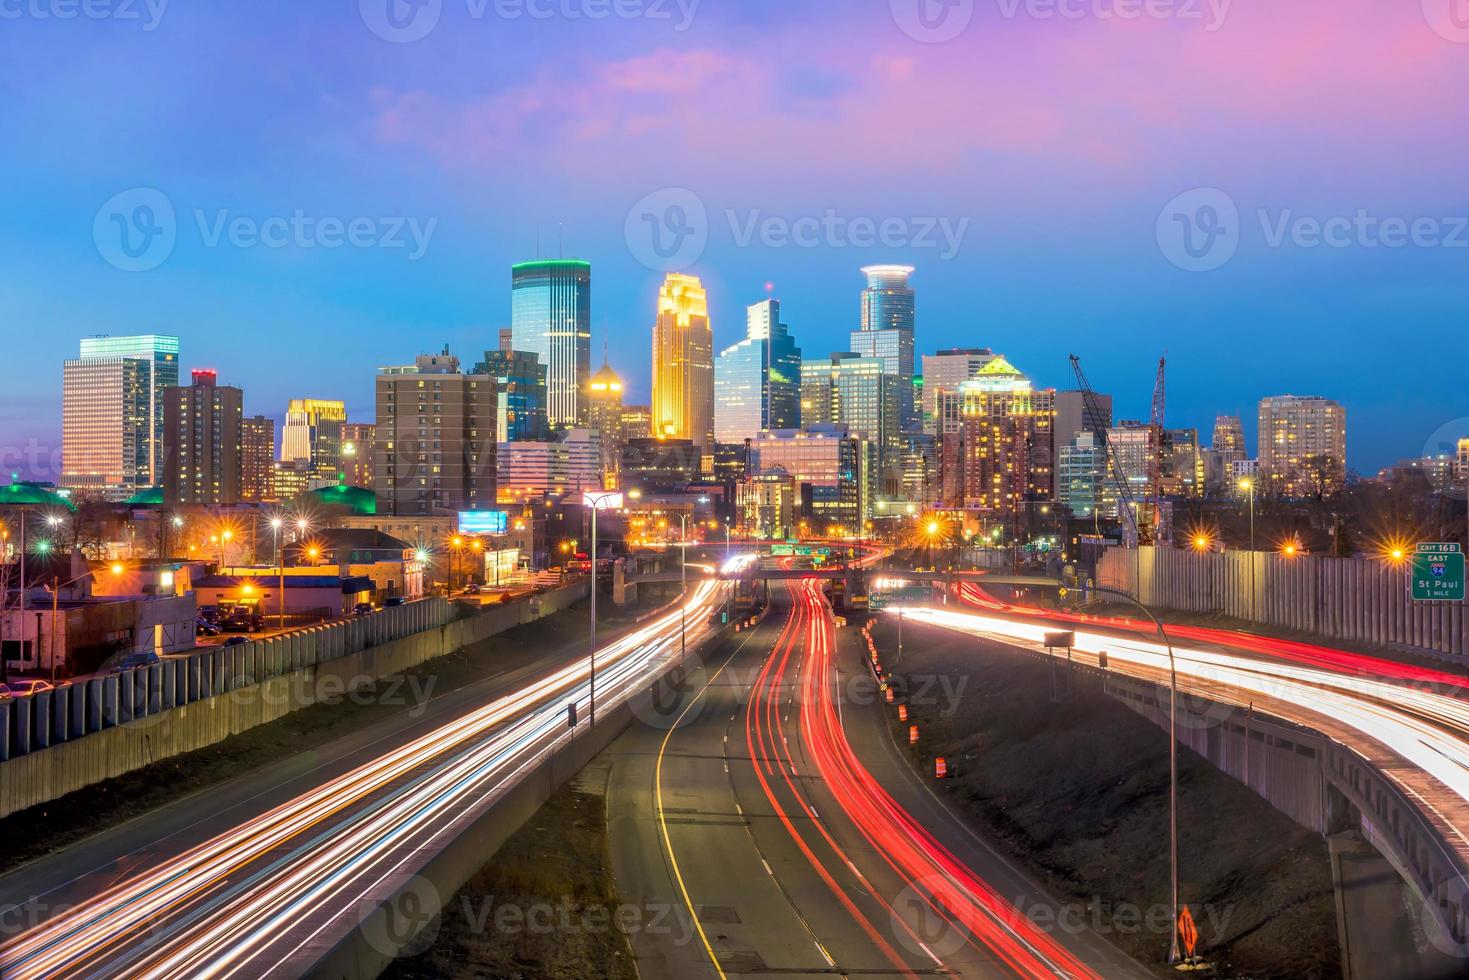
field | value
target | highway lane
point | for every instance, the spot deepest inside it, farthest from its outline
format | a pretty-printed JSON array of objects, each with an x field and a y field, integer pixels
[
  {"x": 1412, "y": 723},
  {"x": 263, "y": 898},
  {"x": 768, "y": 776}
]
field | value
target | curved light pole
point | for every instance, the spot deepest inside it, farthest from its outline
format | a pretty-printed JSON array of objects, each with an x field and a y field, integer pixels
[{"x": 1026, "y": 581}]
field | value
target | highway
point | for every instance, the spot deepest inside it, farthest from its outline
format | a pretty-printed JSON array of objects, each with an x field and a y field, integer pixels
[
  {"x": 1412, "y": 722},
  {"x": 268, "y": 895},
  {"x": 772, "y": 810}
]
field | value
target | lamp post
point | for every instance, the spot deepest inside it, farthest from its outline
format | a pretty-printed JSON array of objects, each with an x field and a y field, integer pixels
[
  {"x": 594, "y": 502},
  {"x": 455, "y": 543},
  {"x": 683, "y": 583},
  {"x": 56, "y": 586},
  {"x": 276, "y": 524},
  {"x": 1249, "y": 485}
]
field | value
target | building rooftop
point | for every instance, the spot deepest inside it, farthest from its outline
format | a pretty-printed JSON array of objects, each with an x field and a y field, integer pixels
[
  {"x": 361, "y": 501},
  {"x": 32, "y": 495}
]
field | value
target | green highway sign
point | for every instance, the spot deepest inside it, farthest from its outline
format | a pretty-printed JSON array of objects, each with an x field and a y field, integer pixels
[
  {"x": 1438, "y": 573},
  {"x": 882, "y": 598}
]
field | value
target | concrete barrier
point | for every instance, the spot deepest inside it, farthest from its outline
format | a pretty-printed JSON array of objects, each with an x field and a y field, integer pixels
[{"x": 123, "y": 720}]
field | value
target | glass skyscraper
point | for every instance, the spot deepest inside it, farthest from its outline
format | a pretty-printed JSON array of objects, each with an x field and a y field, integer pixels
[
  {"x": 887, "y": 333},
  {"x": 757, "y": 382},
  {"x": 551, "y": 317},
  {"x": 683, "y": 364},
  {"x": 520, "y": 393},
  {"x": 113, "y": 412}
]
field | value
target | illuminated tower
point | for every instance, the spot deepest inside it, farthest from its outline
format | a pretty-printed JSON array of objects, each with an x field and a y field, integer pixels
[
  {"x": 887, "y": 333},
  {"x": 551, "y": 316},
  {"x": 683, "y": 364},
  {"x": 605, "y": 416}
]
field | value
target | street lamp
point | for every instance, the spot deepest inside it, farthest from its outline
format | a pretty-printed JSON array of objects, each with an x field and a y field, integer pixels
[
  {"x": 276, "y": 523},
  {"x": 455, "y": 543},
  {"x": 594, "y": 502},
  {"x": 56, "y": 586},
  {"x": 1248, "y": 485}
]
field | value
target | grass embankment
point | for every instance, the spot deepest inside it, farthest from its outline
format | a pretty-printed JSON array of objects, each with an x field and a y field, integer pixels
[
  {"x": 51, "y": 826},
  {"x": 1077, "y": 791},
  {"x": 544, "y": 907}
]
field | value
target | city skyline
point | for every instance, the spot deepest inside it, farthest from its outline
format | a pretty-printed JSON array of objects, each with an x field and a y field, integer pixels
[{"x": 1062, "y": 198}]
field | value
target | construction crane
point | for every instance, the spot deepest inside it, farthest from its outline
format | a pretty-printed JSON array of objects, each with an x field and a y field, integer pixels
[{"x": 1130, "y": 510}]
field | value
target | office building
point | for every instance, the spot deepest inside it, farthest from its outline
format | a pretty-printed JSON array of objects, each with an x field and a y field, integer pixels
[
  {"x": 257, "y": 459},
  {"x": 312, "y": 435},
  {"x": 637, "y": 422},
  {"x": 944, "y": 372},
  {"x": 887, "y": 333},
  {"x": 605, "y": 417},
  {"x": 757, "y": 382},
  {"x": 1303, "y": 445},
  {"x": 203, "y": 436},
  {"x": 1003, "y": 456},
  {"x": 830, "y": 464},
  {"x": 112, "y": 417},
  {"x": 858, "y": 393},
  {"x": 434, "y": 444},
  {"x": 683, "y": 364},
  {"x": 571, "y": 463},
  {"x": 1135, "y": 451},
  {"x": 1184, "y": 467},
  {"x": 357, "y": 438},
  {"x": 1461, "y": 468},
  {"x": 1083, "y": 486},
  {"x": 766, "y": 505},
  {"x": 660, "y": 465},
  {"x": 551, "y": 317},
  {"x": 105, "y": 426},
  {"x": 521, "y": 392},
  {"x": 1078, "y": 412},
  {"x": 1229, "y": 439},
  {"x": 920, "y": 468}
]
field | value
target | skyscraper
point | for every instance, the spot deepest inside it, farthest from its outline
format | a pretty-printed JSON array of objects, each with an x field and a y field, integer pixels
[
  {"x": 520, "y": 392},
  {"x": 312, "y": 435},
  {"x": 434, "y": 443},
  {"x": 117, "y": 411},
  {"x": 1229, "y": 439},
  {"x": 1078, "y": 412},
  {"x": 257, "y": 459},
  {"x": 203, "y": 439},
  {"x": 1303, "y": 445},
  {"x": 757, "y": 382},
  {"x": 357, "y": 438},
  {"x": 1003, "y": 455},
  {"x": 944, "y": 372},
  {"x": 605, "y": 418},
  {"x": 683, "y": 364},
  {"x": 828, "y": 464},
  {"x": 1082, "y": 468},
  {"x": 887, "y": 332},
  {"x": 858, "y": 393},
  {"x": 551, "y": 317}
]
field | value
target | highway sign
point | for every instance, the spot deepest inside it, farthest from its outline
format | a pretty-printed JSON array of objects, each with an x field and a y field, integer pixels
[
  {"x": 882, "y": 598},
  {"x": 1438, "y": 573}
]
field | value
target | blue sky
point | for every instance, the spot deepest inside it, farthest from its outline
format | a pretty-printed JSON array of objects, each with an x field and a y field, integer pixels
[{"x": 1056, "y": 143}]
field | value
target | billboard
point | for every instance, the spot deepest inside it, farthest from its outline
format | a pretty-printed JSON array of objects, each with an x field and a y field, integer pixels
[{"x": 483, "y": 521}]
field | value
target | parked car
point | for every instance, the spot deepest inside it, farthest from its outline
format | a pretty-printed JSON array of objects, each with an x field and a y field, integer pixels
[
  {"x": 203, "y": 627},
  {"x": 471, "y": 590},
  {"x": 24, "y": 686},
  {"x": 237, "y": 641},
  {"x": 395, "y": 602},
  {"x": 243, "y": 621},
  {"x": 363, "y": 609},
  {"x": 138, "y": 658}
]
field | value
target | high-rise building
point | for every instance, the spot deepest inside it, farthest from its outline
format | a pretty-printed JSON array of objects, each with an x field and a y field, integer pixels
[
  {"x": 312, "y": 435},
  {"x": 202, "y": 436},
  {"x": 887, "y": 332},
  {"x": 1303, "y": 445},
  {"x": 529, "y": 471},
  {"x": 1461, "y": 469},
  {"x": 683, "y": 364},
  {"x": 637, "y": 422},
  {"x": 605, "y": 414},
  {"x": 106, "y": 433},
  {"x": 1134, "y": 453},
  {"x": 1003, "y": 456},
  {"x": 920, "y": 461},
  {"x": 115, "y": 435},
  {"x": 357, "y": 438},
  {"x": 858, "y": 392},
  {"x": 1082, "y": 469},
  {"x": 551, "y": 317},
  {"x": 1184, "y": 467},
  {"x": 520, "y": 394},
  {"x": 659, "y": 465},
  {"x": 829, "y": 465},
  {"x": 757, "y": 382},
  {"x": 1229, "y": 439},
  {"x": 1078, "y": 412},
  {"x": 257, "y": 459},
  {"x": 944, "y": 372},
  {"x": 434, "y": 445}
]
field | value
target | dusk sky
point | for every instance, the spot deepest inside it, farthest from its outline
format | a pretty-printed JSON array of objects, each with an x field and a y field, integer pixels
[{"x": 1052, "y": 149}]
